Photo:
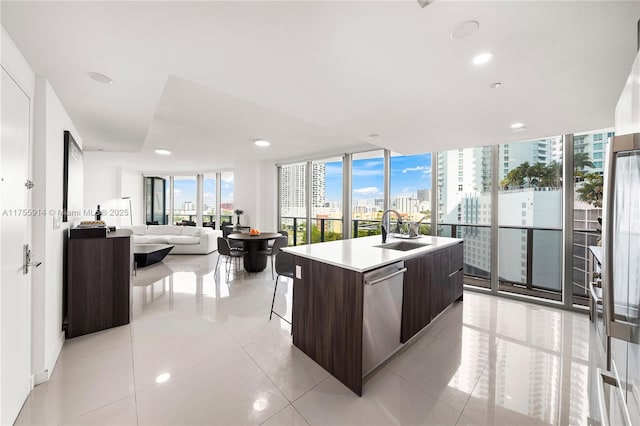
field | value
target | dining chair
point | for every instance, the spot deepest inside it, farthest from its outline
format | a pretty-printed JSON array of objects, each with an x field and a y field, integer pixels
[
  {"x": 230, "y": 254},
  {"x": 285, "y": 268},
  {"x": 281, "y": 232},
  {"x": 274, "y": 250},
  {"x": 235, "y": 244}
]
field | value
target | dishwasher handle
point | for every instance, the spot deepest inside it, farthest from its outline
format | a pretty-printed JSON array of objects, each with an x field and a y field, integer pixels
[{"x": 386, "y": 277}]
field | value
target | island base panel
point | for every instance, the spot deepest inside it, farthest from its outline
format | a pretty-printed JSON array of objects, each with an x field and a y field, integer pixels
[{"x": 327, "y": 319}]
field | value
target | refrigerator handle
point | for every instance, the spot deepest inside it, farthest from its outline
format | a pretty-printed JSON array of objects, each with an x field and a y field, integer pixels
[{"x": 618, "y": 329}]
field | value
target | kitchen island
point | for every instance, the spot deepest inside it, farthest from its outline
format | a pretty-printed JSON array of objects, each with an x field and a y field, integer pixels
[{"x": 330, "y": 302}]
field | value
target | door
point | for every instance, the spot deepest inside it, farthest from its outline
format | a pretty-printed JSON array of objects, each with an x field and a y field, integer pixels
[{"x": 15, "y": 291}]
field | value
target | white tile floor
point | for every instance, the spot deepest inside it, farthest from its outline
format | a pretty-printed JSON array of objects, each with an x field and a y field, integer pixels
[{"x": 201, "y": 350}]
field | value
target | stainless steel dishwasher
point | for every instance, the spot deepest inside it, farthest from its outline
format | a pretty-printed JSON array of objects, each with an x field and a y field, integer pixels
[{"x": 382, "y": 314}]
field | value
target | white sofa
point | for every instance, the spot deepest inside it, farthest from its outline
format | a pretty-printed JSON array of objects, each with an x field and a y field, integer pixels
[{"x": 185, "y": 239}]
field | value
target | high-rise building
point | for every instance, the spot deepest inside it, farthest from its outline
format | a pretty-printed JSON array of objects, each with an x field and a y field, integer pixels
[
  {"x": 424, "y": 195},
  {"x": 318, "y": 185},
  {"x": 464, "y": 197},
  {"x": 544, "y": 151},
  {"x": 293, "y": 184},
  {"x": 188, "y": 206}
]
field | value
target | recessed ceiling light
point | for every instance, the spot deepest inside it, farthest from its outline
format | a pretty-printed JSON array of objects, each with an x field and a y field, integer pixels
[
  {"x": 163, "y": 151},
  {"x": 495, "y": 85},
  {"x": 464, "y": 30},
  {"x": 261, "y": 143},
  {"x": 373, "y": 136},
  {"x": 482, "y": 58},
  {"x": 163, "y": 377},
  {"x": 515, "y": 126},
  {"x": 100, "y": 78}
]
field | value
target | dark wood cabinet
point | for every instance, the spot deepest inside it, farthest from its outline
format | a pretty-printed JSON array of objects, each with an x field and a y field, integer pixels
[
  {"x": 432, "y": 282},
  {"x": 439, "y": 289},
  {"x": 327, "y": 319},
  {"x": 416, "y": 309},
  {"x": 98, "y": 284},
  {"x": 456, "y": 273}
]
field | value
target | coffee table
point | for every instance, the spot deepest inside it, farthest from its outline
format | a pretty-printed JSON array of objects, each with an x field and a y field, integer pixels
[{"x": 148, "y": 254}]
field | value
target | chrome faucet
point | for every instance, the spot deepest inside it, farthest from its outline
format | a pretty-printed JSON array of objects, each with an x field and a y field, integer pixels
[{"x": 386, "y": 223}]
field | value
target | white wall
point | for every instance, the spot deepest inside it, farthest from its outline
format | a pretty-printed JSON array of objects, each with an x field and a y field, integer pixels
[
  {"x": 255, "y": 192},
  {"x": 105, "y": 183},
  {"x": 50, "y": 122},
  {"x": 132, "y": 186}
]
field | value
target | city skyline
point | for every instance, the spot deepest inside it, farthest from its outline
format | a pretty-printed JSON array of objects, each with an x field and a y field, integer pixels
[
  {"x": 184, "y": 190},
  {"x": 409, "y": 173}
]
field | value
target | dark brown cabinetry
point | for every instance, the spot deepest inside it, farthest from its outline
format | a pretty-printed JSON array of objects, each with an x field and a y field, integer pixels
[
  {"x": 327, "y": 319},
  {"x": 98, "y": 285},
  {"x": 432, "y": 282},
  {"x": 416, "y": 309}
]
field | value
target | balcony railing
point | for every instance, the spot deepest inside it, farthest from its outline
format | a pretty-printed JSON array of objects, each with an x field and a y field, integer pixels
[
  {"x": 532, "y": 264},
  {"x": 330, "y": 229},
  {"x": 208, "y": 220}
]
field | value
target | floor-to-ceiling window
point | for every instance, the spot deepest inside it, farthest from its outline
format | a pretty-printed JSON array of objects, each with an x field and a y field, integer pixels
[
  {"x": 367, "y": 193},
  {"x": 184, "y": 200},
  {"x": 530, "y": 218},
  {"x": 226, "y": 198},
  {"x": 465, "y": 207},
  {"x": 588, "y": 170},
  {"x": 209, "y": 200},
  {"x": 155, "y": 201},
  {"x": 326, "y": 200},
  {"x": 410, "y": 188},
  {"x": 293, "y": 204}
]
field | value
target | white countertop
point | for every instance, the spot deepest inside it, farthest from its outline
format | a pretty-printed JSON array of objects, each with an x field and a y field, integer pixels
[{"x": 360, "y": 255}]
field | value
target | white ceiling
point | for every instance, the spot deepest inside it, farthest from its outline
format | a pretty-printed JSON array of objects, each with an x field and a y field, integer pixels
[{"x": 204, "y": 79}]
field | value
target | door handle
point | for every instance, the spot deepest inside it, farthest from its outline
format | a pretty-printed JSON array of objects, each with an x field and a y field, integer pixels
[
  {"x": 379, "y": 280},
  {"x": 28, "y": 263}
]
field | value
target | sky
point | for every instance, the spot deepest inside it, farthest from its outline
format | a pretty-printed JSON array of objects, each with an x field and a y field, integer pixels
[
  {"x": 184, "y": 189},
  {"x": 408, "y": 174}
]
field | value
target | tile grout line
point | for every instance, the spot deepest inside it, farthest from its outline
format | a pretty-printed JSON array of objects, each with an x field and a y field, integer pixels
[
  {"x": 133, "y": 364},
  {"x": 425, "y": 391}
]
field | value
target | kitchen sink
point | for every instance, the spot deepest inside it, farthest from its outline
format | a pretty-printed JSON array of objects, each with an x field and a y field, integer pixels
[{"x": 403, "y": 245}]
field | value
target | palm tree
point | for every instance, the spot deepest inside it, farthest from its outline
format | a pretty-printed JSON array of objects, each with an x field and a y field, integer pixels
[
  {"x": 514, "y": 179},
  {"x": 537, "y": 173},
  {"x": 581, "y": 161},
  {"x": 552, "y": 175},
  {"x": 591, "y": 189}
]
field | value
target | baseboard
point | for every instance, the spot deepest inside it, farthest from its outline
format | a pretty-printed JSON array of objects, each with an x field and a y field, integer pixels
[{"x": 45, "y": 375}]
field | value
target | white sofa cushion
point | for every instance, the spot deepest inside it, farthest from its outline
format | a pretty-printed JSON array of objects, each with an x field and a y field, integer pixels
[
  {"x": 139, "y": 229},
  {"x": 203, "y": 240},
  {"x": 151, "y": 239},
  {"x": 183, "y": 239},
  {"x": 191, "y": 231},
  {"x": 164, "y": 230}
]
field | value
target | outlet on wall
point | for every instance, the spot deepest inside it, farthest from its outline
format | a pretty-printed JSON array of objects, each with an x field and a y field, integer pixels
[{"x": 299, "y": 272}]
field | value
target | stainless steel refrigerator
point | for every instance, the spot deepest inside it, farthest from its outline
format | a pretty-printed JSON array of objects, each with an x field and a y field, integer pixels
[{"x": 619, "y": 387}]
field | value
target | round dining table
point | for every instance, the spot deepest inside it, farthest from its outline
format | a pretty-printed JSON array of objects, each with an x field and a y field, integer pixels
[{"x": 254, "y": 261}]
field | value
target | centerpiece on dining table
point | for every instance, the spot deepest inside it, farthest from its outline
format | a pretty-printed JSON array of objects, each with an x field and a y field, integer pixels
[
  {"x": 254, "y": 232},
  {"x": 238, "y": 213}
]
